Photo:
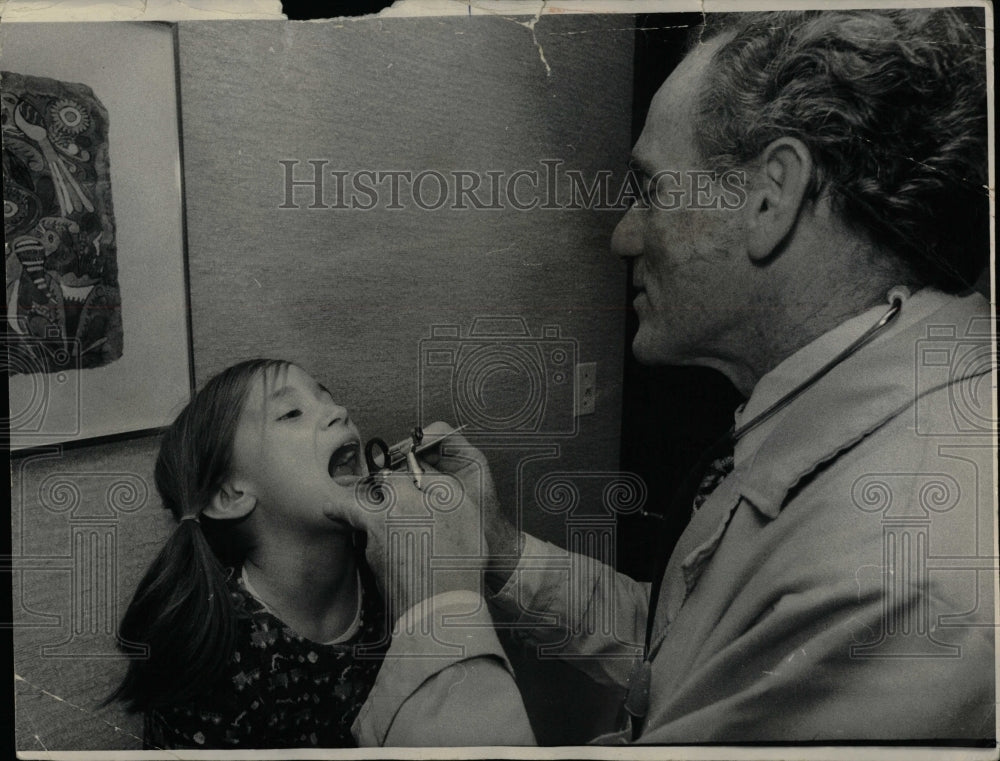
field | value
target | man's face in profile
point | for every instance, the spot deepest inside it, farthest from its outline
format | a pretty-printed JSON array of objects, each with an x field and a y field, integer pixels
[{"x": 685, "y": 252}]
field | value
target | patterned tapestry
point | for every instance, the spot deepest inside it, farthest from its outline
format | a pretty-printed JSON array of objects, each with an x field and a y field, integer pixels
[{"x": 63, "y": 303}]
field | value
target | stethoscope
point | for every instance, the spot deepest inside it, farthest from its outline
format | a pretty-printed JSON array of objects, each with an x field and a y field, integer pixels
[{"x": 636, "y": 702}]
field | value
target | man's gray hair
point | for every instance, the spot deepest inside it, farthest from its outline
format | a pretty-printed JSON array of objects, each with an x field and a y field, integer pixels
[{"x": 892, "y": 105}]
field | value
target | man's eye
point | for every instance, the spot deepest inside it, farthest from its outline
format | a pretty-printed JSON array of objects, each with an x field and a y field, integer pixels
[
  {"x": 641, "y": 199},
  {"x": 290, "y": 414},
  {"x": 640, "y": 184}
]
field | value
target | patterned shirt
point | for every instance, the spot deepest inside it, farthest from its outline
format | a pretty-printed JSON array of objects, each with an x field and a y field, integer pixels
[{"x": 281, "y": 690}]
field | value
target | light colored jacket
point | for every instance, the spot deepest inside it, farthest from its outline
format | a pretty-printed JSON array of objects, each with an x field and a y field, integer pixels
[{"x": 839, "y": 585}]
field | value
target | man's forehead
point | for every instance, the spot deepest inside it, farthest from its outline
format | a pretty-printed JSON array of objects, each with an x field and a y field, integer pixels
[{"x": 669, "y": 124}]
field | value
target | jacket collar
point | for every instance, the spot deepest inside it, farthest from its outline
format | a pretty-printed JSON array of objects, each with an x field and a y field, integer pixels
[{"x": 882, "y": 380}]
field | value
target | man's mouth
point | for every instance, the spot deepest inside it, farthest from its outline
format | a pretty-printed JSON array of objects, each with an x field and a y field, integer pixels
[{"x": 345, "y": 460}]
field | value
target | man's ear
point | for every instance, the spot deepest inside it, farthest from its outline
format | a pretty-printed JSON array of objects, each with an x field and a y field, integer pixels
[
  {"x": 231, "y": 501},
  {"x": 780, "y": 192}
]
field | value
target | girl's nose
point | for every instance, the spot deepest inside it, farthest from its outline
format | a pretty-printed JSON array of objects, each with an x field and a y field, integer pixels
[{"x": 336, "y": 414}]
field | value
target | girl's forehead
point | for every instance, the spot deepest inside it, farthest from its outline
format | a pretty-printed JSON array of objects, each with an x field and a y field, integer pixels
[
  {"x": 274, "y": 377},
  {"x": 277, "y": 382},
  {"x": 265, "y": 384}
]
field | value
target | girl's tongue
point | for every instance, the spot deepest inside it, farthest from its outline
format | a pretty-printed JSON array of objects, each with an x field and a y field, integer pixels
[{"x": 345, "y": 461}]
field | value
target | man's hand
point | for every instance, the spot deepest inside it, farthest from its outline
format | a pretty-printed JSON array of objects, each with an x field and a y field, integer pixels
[
  {"x": 457, "y": 457},
  {"x": 428, "y": 540}
]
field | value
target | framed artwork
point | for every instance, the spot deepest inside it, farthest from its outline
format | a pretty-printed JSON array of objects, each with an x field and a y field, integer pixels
[{"x": 96, "y": 325}]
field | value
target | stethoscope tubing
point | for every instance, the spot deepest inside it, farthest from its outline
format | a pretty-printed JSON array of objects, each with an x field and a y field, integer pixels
[{"x": 685, "y": 493}]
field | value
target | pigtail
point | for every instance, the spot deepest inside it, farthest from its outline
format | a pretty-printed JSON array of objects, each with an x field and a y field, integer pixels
[
  {"x": 182, "y": 611},
  {"x": 183, "y": 614}
]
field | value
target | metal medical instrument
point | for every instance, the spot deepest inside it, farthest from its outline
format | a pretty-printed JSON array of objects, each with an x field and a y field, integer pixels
[{"x": 402, "y": 455}]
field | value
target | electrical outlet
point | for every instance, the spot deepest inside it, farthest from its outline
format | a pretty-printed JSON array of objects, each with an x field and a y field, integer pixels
[{"x": 586, "y": 388}]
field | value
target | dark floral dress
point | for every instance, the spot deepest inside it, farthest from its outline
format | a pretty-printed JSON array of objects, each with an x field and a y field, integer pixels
[{"x": 282, "y": 690}]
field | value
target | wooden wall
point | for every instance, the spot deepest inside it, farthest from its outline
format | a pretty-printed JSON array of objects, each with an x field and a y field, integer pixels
[{"x": 350, "y": 294}]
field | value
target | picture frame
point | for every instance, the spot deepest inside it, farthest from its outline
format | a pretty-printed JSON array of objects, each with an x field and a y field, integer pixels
[{"x": 137, "y": 192}]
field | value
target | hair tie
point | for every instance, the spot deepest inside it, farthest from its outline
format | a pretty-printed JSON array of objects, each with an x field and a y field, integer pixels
[{"x": 189, "y": 518}]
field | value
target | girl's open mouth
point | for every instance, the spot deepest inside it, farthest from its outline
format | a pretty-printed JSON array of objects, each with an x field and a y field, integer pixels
[{"x": 345, "y": 461}]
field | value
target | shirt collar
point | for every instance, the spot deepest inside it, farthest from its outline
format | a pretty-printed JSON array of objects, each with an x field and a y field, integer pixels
[{"x": 853, "y": 399}]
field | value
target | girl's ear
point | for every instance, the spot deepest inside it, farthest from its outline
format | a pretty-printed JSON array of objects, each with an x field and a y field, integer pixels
[{"x": 231, "y": 501}]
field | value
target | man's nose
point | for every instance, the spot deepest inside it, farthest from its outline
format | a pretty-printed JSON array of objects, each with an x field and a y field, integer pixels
[{"x": 627, "y": 238}]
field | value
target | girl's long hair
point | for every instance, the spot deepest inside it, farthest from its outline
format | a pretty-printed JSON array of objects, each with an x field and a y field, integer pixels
[{"x": 181, "y": 611}]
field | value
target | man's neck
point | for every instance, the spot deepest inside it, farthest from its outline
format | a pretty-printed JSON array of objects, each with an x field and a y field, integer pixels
[{"x": 788, "y": 328}]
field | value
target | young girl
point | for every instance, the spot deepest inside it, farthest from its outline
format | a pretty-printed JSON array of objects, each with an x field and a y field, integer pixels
[{"x": 263, "y": 625}]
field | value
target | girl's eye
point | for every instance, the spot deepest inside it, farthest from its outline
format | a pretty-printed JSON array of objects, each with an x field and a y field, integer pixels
[{"x": 290, "y": 414}]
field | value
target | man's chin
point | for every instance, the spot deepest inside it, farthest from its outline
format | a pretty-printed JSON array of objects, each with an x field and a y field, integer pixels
[{"x": 647, "y": 351}]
